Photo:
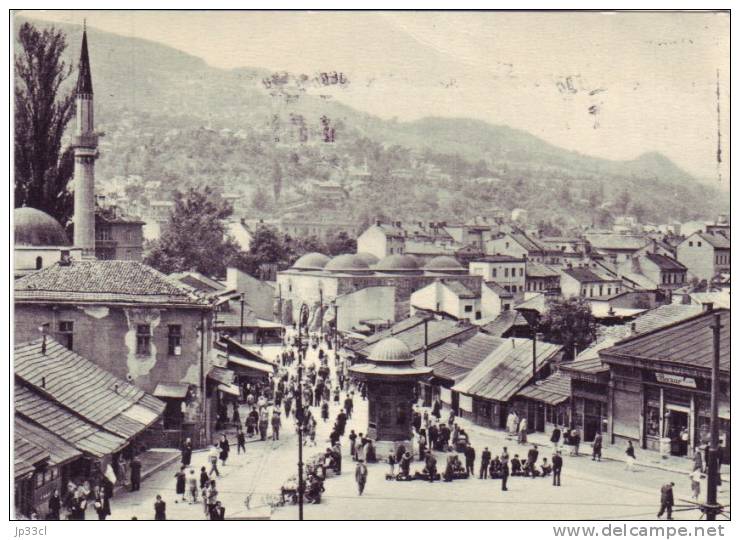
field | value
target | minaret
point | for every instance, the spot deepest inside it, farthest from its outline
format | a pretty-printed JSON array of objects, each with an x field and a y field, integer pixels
[{"x": 85, "y": 147}]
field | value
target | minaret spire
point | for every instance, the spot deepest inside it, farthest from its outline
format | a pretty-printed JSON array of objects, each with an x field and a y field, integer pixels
[{"x": 86, "y": 151}]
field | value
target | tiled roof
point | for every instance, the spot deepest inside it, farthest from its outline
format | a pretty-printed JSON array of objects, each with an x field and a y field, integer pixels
[
  {"x": 655, "y": 318},
  {"x": 526, "y": 242},
  {"x": 86, "y": 437},
  {"x": 537, "y": 303},
  {"x": 588, "y": 360},
  {"x": 60, "y": 451},
  {"x": 84, "y": 388},
  {"x": 101, "y": 282},
  {"x": 499, "y": 290},
  {"x": 553, "y": 390},
  {"x": 506, "y": 370},
  {"x": 411, "y": 332},
  {"x": 460, "y": 290},
  {"x": 616, "y": 241},
  {"x": 27, "y": 452},
  {"x": 665, "y": 263},
  {"x": 535, "y": 269},
  {"x": 504, "y": 322},
  {"x": 435, "y": 354},
  {"x": 467, "y": 356},
  {"x": 687, "y": 343},
  {"x": 716, "y": 240},
  {"x": 197, "y": 280},
  {"x": 584, "y": 275},
  {"x": 499, "y": 259}
]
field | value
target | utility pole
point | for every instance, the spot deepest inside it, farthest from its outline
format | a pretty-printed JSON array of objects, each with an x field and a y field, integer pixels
[
  {"x": 336, "y": 329},
  {"x": 204, "y": 407},
  {"x": 241, "y": 322},
  {"x": 299, "y": 418},
  {"x": 534, "y": 356},
  {"x": 321, "y": 310},
  {"x": 712, "y": 508},
  {"x": 426, "y": 341}
]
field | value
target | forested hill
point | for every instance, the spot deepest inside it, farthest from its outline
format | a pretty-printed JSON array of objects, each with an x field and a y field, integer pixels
[{"x": 168, "y": 116}]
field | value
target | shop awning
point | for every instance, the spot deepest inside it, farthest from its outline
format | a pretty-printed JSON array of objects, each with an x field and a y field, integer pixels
[
  {"x": 553, "y": 391},
  {"x": 171, "y": 390},
  {"x": 231, "y": 389},
  {"x": 221, "y": 375},
  {"x": 252, "y": 364}
]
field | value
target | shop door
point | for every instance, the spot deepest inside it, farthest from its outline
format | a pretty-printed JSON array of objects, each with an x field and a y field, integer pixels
[
  {"x": 540, "y": 417},
  {"x": 456, "y": 403},
  {"x": 678, "y": 426},
  {"x": 591, "y": 426}
]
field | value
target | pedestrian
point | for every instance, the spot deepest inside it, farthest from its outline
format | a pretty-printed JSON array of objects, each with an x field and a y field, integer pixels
[
  {"x": 361, "y": 476},
  {"x": 180, "y": 481},
  {"x": 217, "y": 512},
  {"x": 160, "y": 508},
  {"x": 224, "y": 450},
  {"x": 523, "y": 431},
  {"x": 596, "y": 448},
  {"x": 557, "y": 468},
  {"x": 193, "y": 486},
  {"x": 213, "y": 454},
  {"x": 203, "y": 478},
  {"x": 263, "y": 424},
  {"x": 186, "y": 453},
  {"x": 698, "y": 461},
  {"x": 666, "y": 501},
  {"x": 55, "y": 506},
  {"x": 135, "y": 474},
  {"x": 575, "y": 440},
  {"x": 532, "y": 456},
  {"x": 101, "y": 504},
  {"x": 240, "y": 441},
  {"x": 555, "y": 438},
  {"x": 470, "y": 459},
  {"x": 276, "y": 423},
  {"x": 485, "y": 461},
  {"x": 695, "y": 476},
  {"x": 631, "y": 459},
  {"x": 353, "y": 444},
  {"x": 436, "y": 410},
  {"x": 348, "y": 406},
  {"x": 211, "y": 497},
  {"x": 504, "y": 474},
  {"x": 392, "y": 463},
  {"x": 431, "y": 466}
]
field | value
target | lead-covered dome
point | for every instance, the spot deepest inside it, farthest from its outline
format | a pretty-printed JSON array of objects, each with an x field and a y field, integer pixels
[
  {"x": 390, "y": 350},
  {"x": 311, "y": 261},
  {"x": 36, "y": 228},
  {"x": 398, "y": 263},
  {"x": 444, "y": 265},
  {"x": 369, "y": 258},
  {"x": 347, "y": 264}
]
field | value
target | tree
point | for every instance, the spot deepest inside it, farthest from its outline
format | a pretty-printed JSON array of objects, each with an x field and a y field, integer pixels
[
  {"x": 277, "y": 180},
  {"x": 623, "y": 201},
  {"x": 267, "y": 247},
  {"x": 569, "y": 322},
  {"x": 341, "y": 243},
  {"x": 306, "y": 244},
  {"x": 195, "y": 237},
  {"x": 42, "y": 112}
]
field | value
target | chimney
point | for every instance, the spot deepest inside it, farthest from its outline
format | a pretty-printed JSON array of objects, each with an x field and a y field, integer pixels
[
  {"x": 633, "y": 328},
  {"x": 707, "y": 306},
  {"x": 513, "y": 343},
  {"x": 43, "y": 382},
  {"x": 65, "y": 259},
  {"x": 377, "y": 222}
]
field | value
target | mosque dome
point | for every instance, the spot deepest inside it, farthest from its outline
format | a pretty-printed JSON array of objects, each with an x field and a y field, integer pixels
[
  {"x": 390, "y": 350},
  {"x": 347, "y": 264},
  {"x": 398, "y": 263},
  {"x": 444, "y": 264},
  {"x": 36, "y": 228},
  {"x": 311, "y": 261},
  {"x": 369, "y": 258}
]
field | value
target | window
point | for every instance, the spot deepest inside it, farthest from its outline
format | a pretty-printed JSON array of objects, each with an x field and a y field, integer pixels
[
  {"x": 66, "y": 333},
  {"x": 698, "y": 244},
  {"x": 174, "y": 340},
  {"x": 39, "y": 263},
  {"x": 691, "y": 244},
  {"x": 521, "y": 272},
  {"x": 477, "y": 315},
  {"x": 506, "y": 272},
  {"x": 143, "y": 339},
  {"x": 608, "y": 291},
  {"x": 507, "y": 307},
  {"x": 102, "y": 233},
  {"x": 493, "y": 272},
  {"x": 468, "y": 309},
  {"x": 507, "y": 245}
]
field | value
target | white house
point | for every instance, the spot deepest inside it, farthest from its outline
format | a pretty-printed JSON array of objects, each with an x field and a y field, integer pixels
[
  {"x": 495, "y": 300},
  {"x": 450, "y": 298},
  {"x": 382, "y": 240},
  {"x": 507, "y": 271},
  {"x": 586, "y": 282},
  {"x": 705, "y": 255}
]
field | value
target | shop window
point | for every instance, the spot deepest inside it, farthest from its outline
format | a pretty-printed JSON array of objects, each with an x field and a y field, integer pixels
[
  {"x": 652, "y": 421},
  {"x": 174, "y": 340},
  {"x": 143, "y": 339}
]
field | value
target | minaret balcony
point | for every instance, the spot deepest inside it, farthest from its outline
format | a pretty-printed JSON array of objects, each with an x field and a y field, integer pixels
[{"x": 89, "y": 140}]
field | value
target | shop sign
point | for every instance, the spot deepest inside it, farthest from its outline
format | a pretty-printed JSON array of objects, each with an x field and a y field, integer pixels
[{"x": 677, "y": 380}]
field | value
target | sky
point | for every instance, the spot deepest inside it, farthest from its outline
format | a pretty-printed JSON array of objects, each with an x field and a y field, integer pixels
[{"x": 613, "y": 85}]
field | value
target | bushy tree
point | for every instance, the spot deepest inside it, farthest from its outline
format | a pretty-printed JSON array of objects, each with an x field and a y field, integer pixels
[
  {"x": 42, "y": 112},
  {"x": 195, "y": 237},
  {"x": 568, "y": 322},
  {"x": 340, "y": 243},
  {"x": 267, "y": 246}
]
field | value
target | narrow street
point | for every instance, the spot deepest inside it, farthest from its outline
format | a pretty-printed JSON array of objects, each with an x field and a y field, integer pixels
[{"x": 590, "y": 490}]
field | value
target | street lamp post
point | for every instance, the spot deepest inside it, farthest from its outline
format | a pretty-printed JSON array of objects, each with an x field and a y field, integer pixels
[
  {"x": 241, "y": 321},
  {"x": 299, "y": 419},
  {"x": 712, "y": 508}
]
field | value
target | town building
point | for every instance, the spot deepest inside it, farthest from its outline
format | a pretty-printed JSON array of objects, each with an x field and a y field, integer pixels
[
  {"x": 151, "y": 330},
  {"x": 448, "y": 299},
  {"x": 495, "y": 300},
  {"x": 516, "y": 244},
  {"x": 654, "y": 271},
  {"x": 704, "y": 255},
  {"x": 546, "y": 403},
  {"x": 541, "y": 278},
  {"x": 617, "y": 248},
  {"x": 39, "y": 241},
  {"x": 506, "y": 270},
  {"x": 118, "y": 236},
  {"x": 588, "y": 282},
  {"x": 660, "y": 385}
]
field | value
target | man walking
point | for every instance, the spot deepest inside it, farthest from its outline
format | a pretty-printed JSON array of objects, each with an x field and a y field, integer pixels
[
  {"x": 557, "y": 467},
  {"x": 504, "y": 474},
  {"x": 213, "y": 454},
  {"x": 470, "y": 459},
  {"x": 666, "y": 501},
  {"x": 135, "y": 474},
  {"x": 276, "y": 425},
  {"x": 596, "y": 454},
  {"x": 361, "y": 476},
  {"x": 532, "y": 456},
  {"x": 485, "y": 460}
]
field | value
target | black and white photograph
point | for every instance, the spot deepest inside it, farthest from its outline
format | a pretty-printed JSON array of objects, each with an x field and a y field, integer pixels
[{"x": 369, "y": 265}]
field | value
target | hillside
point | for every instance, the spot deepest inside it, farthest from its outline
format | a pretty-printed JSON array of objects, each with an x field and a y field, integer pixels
[{"x": 168, "y": 116}]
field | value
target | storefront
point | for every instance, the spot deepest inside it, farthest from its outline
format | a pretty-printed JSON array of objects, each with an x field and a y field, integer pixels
[
  {"x": 660, "y": 388},
  {"x": 546, "y": 403}
]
